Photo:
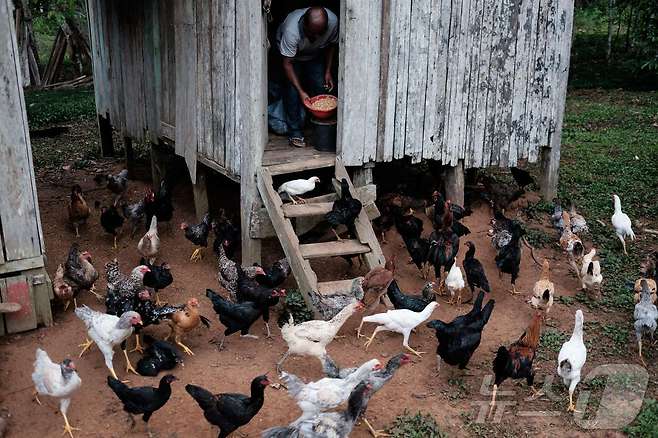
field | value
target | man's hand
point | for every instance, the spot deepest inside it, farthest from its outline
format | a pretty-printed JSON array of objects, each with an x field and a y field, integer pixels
[
  {"x": 328, "y": 81},
  {"x": 303, "y": 96}
]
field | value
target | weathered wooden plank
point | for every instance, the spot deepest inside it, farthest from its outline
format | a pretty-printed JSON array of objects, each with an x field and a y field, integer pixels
[
  {"x": 21, "y": 265},
  {"x": 537, "y": 81},
  {"x": 19, "y": 214},
  {"x": 435, "y": 65},
  {"x": 115, "y": 60},
  {"x": 489, "y": 154},
  {"x": 403, "y": 34},
  {"x": 373, "y": 64},
  {"x": 549, "y": 73},
  {"x": 218, "y": 81},
  {"x": 3, "y": 286},
  {"x": 475, "y": 31},
  {"x": 332, "y": 249},
  {"x": 417, "y": 82},
  {"x": 204, "y": 104},
  {"x": 448, "y": 151},
  {"x": 186, "y": 61},
  {"x": 307, "y": 209},
  {"x": 300, "y": 166},
  {"x": 334, "y": 287},
  {"x": 18, "y": 291},
  {"x": 231, "y": 96},
  {"x": 97, "y": 31},
  {"x": 388, "y": 85}
]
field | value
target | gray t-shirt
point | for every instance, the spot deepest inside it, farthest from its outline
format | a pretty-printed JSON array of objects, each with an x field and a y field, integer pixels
[{"x": 293, "y": 43}]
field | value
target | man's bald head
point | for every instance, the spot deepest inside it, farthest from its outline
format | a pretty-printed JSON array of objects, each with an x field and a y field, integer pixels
[{"x": 315, "y": 22}]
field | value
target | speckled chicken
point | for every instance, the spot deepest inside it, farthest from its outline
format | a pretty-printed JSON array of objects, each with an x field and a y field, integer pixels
[
  {"x": 79, "y": 272},
  {"x": 134, "y": 213},
  {"x": 330, "y": 304},
  {"x": 645, "y": 315},
  {"x": 78, "y": 209},
  {"x": 121, "y": 290},
  {"x": 116, "y": 184},
  {"x": 227, "y": 274},
  {"x": 571, "y": 244},
  {"x": 198, "y": 235}
]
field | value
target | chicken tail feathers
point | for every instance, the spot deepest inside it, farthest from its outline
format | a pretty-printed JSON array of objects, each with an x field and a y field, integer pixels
[
  {"x": 203, "y": 397},
  {"x": 565, "y": 366},
  {"x": 85, "y": 314},
  {"x": 117, "y": 386},
  {"x": 487, "y": 311},
  {"x": 280, "y": 432},
  {"x": 293, "y": 383},
  {"x": 205, "y": 321}
]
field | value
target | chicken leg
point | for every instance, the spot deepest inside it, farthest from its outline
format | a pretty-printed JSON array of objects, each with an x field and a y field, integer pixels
[
  {"x": 138, "y": 345},
  {"x": 85, "y": 346},
  {"x": 493, "y": 400},
  {"x": 281, "y": 361},
  {"x": 67, "y": 426},
  {"x": 639, "y": 350},
  {"x": 77, "y": 234},
  {"x": 405, "y": 344},
  {"x": 115, "y": 243},
  {"x": 513, "y": 291},
  {"x": 196, "y": 255},
  {"x": 96, "y": 294},
  {"x": 623, "y": 243},
  {"x": 358, "y": 331},
  {"x": 129, "y": 366},
  {"x": 269, "y": 333},
  {"x": 336, "y": 234},
  {"x": 572, "y": 406},
  {"x": 375, "y": 433},
  {"x": 185, "y": 348},
  {"x": 377, "y": 330}
]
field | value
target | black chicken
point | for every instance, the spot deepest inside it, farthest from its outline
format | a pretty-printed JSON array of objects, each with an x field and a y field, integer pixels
[
  {"x": 443, "y": 248},
  {"x": 159, "y": 278},
  {"x": 459, "y": 339},
  {"x": 226, "y": 234},
  {"x": 264, "y": 297},
  {"x": 143, "y": 400},
  {"x": 409, "y": 225},
  {"x": 198, "y": 235},
  {"x": 457, "y": 213},
  {"x": 522, "y": 177},
  {"x": 508, "y": 259},
  {"x": 158, "y": 205},
  {"x": 230, "y": 411},
  {"x": 117, "y": 184},
  {"x": 237, "y": 317},
  {"x": 344, "y": 211},
  {"x": 276, "y": 275},
  {"x": 414, "y": 303},
  {"x": 410, "y": 229},
  {"x": 158, "y": 356},
  {"x": 475, "y": 276},
  {"x": 111, "y": 221}
]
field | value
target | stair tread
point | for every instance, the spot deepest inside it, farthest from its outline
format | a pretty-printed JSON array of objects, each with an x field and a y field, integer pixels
[
  {"x": 300, "y": 166},
  {"x": 308, "y": 209},
  {"x": 331, "y": 249},
  {"x": 334, "y": 287}
]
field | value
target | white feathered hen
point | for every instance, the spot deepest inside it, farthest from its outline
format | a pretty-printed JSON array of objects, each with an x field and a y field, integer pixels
[
  {"x": 455, "y": 283},
  {"x": 572, "y": 357},
  {"x": 298, "y": 187},
  {"x": 108, "y": 331},
  {"x": 622, "y": 224},
  {"x": 590, "y": 272},
  {"x": 400, "y": 321},
  {"x": 149, "y": 244},
  {"x": 326, "y": 393},
  {"x": 58, "y": 381}
]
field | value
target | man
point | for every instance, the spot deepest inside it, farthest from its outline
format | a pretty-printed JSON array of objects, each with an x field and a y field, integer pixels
[{"x": 307, "y": 41}]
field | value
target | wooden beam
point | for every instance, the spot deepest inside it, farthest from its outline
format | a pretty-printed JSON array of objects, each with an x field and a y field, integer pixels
[
  {"x": 454, "y": 182},
  {"x": 302, "y": 165},
  {"x": 21, "y": 265},
  {"x": 333, "y": 249},
  {"x": 550, "y": 170},
  {"x": 105, "y": 132},
  {"x": 130, "y": 156},
  {"x": 200, "y": 190},
  {"x": 159, "y": 161},
  {"x": 362, "y": 176}
]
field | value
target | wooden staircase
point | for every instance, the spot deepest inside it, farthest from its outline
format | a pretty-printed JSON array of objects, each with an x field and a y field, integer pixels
[{"x": 364, "y": 244}]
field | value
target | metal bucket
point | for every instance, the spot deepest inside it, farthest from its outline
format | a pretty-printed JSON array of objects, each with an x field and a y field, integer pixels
[{"x": 324, "y": 135}]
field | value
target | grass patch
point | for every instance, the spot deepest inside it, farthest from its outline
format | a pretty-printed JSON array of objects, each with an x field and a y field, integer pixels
[
  {"x": 50, "y": 107},
  {"x": 416, "y": 425},
  {"x": 538, "y": 238},
  {"x": 550, "y": 342},
  {"x": 646, "y": 423}
]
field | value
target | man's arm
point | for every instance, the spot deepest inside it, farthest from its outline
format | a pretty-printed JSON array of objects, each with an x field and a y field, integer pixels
[
  {"x": 292, "y": 77},
  {"x": 328, "y": 62}
]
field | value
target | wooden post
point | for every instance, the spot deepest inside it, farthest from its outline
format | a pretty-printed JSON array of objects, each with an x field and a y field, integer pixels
[
  {"x": 362, "y": 176},
  {"x": 158, "y": 163},
  {"x": 200, "y": 189},
  {"x": 130, "y": 156},
  {"x": 251, "y": 92},
  {"x": 454, "y": 182},
  {"x": 105, "y": 131},
  {"x": 550, "y": 169}
]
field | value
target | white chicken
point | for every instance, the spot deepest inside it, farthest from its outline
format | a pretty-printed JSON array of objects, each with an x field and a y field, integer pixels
[
  {"x": 326, "y": 393},
  {"x": 149, "y": 244},
  {"x": 401, "y": 321},
  {"x": 298, "y": 187},
  {"x": 543, "y": 290},
  {"x": 590, "y": 272},
  {"x": 455, "y": 283},
  {"x": 571, "y": 359},
  {"x": 311, "y": 338},
  {"x": 622, "y": 224},
  {"x": 58, "y": 381},
  {"x": 108, "y": 331}
]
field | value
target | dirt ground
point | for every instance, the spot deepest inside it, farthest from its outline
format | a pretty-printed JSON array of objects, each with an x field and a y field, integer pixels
[{"x": 454, "y": 400}]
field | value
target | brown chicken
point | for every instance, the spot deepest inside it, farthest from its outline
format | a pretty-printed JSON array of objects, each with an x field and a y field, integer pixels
[
  {"x": 542, "y": 293},
  {"x": 62, "y": 290},
  {"x": 572, "y": 244},
  {"x": 375, "y": 284},
  {"x": 648, "y": 271},
  {"x": 515, "y": 361},
  {"x": 184, "y": 321},
  {"x": 78, "y": 209},
  {"x": 79, "y": 271}
]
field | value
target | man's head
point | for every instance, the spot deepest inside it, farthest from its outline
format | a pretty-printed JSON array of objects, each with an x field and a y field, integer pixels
[{"x": 315, "y": 22}]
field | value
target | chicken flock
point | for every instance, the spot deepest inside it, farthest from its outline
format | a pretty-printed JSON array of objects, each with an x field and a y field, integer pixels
[{"x": 132, "y": 304}]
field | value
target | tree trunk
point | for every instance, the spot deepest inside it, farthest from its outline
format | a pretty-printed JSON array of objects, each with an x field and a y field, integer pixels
[
  {"x": 627, "y": 44},
  {"x": 608, "y": 51}
]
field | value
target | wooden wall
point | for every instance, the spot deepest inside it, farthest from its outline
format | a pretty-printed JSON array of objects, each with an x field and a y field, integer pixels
[{"x": 478, "y": 80}]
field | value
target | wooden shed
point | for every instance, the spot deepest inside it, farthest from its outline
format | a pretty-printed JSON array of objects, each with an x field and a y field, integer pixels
[
  {"x": 469, "y": 83},
  {"x": 24, "y": 283}
]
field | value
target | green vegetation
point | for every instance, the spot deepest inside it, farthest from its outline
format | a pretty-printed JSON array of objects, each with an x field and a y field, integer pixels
[
  {"x": 418, "y": 425},
  {"x": 46, "y": 108},
  {"x": 646, "y": 423},
  {"x": 295, "y": 305},
  {"x": 550, "y": 342}
]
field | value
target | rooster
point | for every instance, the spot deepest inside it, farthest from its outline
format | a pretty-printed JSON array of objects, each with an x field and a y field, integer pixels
[
  {"x": 297, "y": 187},
  {"x": 78, "y": 209},
  {"x": 56, "y": 380},
  {"x": 108, "y": 331},
  {"x": 79, "y": 272},
  {"x": 401, "y": 321},
  {"x": 622, "y": 224},
  {"x": 344, "y": 211},
  {"x": 515, "y": 361},
  {"x": 544, "y": 289},
  {"x": 149, "y": 244},
  {"x": 198, "y": 235},
  {"x": 311, "y": 338},
  {"x": 571, "y": 359}
]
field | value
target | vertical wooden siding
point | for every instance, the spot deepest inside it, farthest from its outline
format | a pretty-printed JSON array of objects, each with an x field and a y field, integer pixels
[{"x": 478, "y": 80}]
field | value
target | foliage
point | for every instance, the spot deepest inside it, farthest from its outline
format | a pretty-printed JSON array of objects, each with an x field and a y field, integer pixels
[
  {"x": 45, "y": 108},
  {"x": 646, "y": 423},
  {"x": 538, "y": 238},
  {"x": 295, "y": 305},
  {"x": 418, "y": 425},
  {"x": 550, "y": 342}
]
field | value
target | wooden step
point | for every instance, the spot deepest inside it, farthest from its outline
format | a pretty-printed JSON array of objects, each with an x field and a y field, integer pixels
[
  {"x": 334, "y": 287},
  {"x": 332, "y": 249},
  {"x": 308, "y": 209},
  {"x": 300, "y": 166}
]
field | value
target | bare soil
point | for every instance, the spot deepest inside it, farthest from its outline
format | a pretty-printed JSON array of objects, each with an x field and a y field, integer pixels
[{"x": 453, "y": 399}]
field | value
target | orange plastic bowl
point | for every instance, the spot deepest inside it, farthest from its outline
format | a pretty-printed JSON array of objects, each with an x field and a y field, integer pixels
[{"x": 322, "y": 113}]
